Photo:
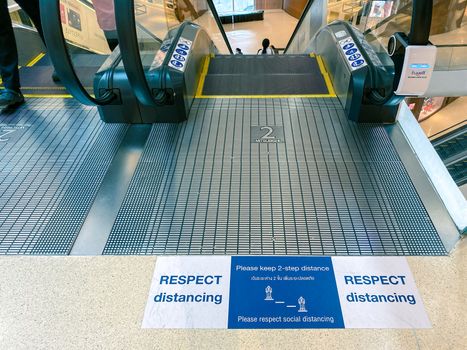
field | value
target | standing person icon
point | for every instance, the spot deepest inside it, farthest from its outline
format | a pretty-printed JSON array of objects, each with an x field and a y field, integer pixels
[
  {"x": 268, "y": 291},
  {"x": 301, "y": 303}
]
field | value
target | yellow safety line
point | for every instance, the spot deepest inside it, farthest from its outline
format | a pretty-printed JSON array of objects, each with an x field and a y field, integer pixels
[
  {"x": 325, "y": 74},
  {"x": 268, "y": 96},
  {"x": 204, "y": 72},
  {"x": 36, "y": 88},
  {"x": 32, "y": 62},
  {"x": 199, "y": 91},
  {"x": 39, "y": 88},
  {"x": 35, "y": 60},
  {"x": 46, "y": 96}
]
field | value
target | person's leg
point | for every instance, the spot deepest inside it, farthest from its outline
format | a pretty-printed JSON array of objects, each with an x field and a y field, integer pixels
[
  {"x": 8, "y": 52},
  {"x": 31, "y": 7}
]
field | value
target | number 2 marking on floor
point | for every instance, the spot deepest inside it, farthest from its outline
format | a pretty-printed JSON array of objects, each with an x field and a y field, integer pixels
[
  {"x": 4, "y": 133},
  {"x": 268, "y": 134}
]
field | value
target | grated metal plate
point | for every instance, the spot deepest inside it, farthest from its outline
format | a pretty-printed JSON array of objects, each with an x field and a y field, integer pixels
[
  {"x": 271, "y": 176},
  {"x": 53, "y": 156}
]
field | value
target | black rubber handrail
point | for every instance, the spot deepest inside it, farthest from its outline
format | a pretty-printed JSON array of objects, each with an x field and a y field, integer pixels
[
  {"x": 421, "y": 22},
  {"x": 452, "y": 45},
  {"x": 129, "y": 49},
  {"x": 58, "y": 52},
  {"x": 297, "y": 27},
  {"x": 219, "y": 24}
]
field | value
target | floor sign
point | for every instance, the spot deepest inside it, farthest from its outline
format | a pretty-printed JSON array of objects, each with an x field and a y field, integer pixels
[{"x": 283, "y": 292}]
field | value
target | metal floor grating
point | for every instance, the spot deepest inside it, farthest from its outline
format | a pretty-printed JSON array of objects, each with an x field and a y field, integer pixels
[
  {"x": 53, "y": 156},
  {"x": 213, "y": 185}
]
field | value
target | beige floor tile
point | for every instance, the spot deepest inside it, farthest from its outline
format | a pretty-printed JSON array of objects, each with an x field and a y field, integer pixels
[{"x": 98, "y": 302}]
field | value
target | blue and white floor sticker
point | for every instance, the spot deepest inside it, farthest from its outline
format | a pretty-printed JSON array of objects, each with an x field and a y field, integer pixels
[{"x": 283, "y": 292}]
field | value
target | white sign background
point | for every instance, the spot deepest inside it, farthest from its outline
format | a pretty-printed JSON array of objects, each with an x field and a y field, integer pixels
[
  {"x": 378, "y": 315},
  {"x": 355, "y": 314},
  {"x": 189, "y": 314}
]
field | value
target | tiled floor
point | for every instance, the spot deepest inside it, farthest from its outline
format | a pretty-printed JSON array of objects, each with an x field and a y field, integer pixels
[
  {"x": 249, "y": 35},
  {"x": 98, "y": 303},
  {"x": 277, "y": 26}
]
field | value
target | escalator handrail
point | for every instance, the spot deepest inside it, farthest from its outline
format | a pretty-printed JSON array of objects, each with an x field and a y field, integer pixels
[
  {"x": 58, "y": 52},
  {"x": 215, "y": 14},
  {"x": 300, "y": 21},
  {"x": 451, "y": 45},
  {"x": 420, "y": 22},
  {"x": 129, "y": 49}
]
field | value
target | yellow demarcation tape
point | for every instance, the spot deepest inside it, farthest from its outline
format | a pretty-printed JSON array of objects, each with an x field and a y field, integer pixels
[
  {"x": 46, "y": 96},
  {"x": 35, "y": 60},
  {"x": 199, "y": 91},
  {"x": 204, "y": 72},
  {"x": 268, "y": 96},
  {"x": 326, "y": 77}
]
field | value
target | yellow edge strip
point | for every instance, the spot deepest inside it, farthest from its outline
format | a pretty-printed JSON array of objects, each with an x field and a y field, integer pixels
[
  {"x": 204, "y": 72},
  {"x": 46, "y": 96},
  {"x": 325, "y": 74},
  {"x": 267, "y": 96},
  {"x": 44, "y": 88},
  {"x": 35, "y": 60}
]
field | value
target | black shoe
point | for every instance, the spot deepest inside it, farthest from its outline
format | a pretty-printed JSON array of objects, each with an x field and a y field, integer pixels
[
  {"x": 55, "y": 77},
  {"x": 10, "y": 98}
]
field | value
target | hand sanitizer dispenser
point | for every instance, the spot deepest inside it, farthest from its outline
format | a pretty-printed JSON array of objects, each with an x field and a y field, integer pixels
[{"x": 419, "y": 62}]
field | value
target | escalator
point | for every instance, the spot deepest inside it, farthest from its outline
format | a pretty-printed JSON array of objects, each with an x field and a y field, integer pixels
[
  {"x": 201, "y": 152},
  {"x": 260, "y": 75},
  {"x": 452, "y": 149}
]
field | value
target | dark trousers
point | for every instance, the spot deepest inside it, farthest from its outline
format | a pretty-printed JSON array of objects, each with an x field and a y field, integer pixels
[{"x": 8, "y": 51}]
